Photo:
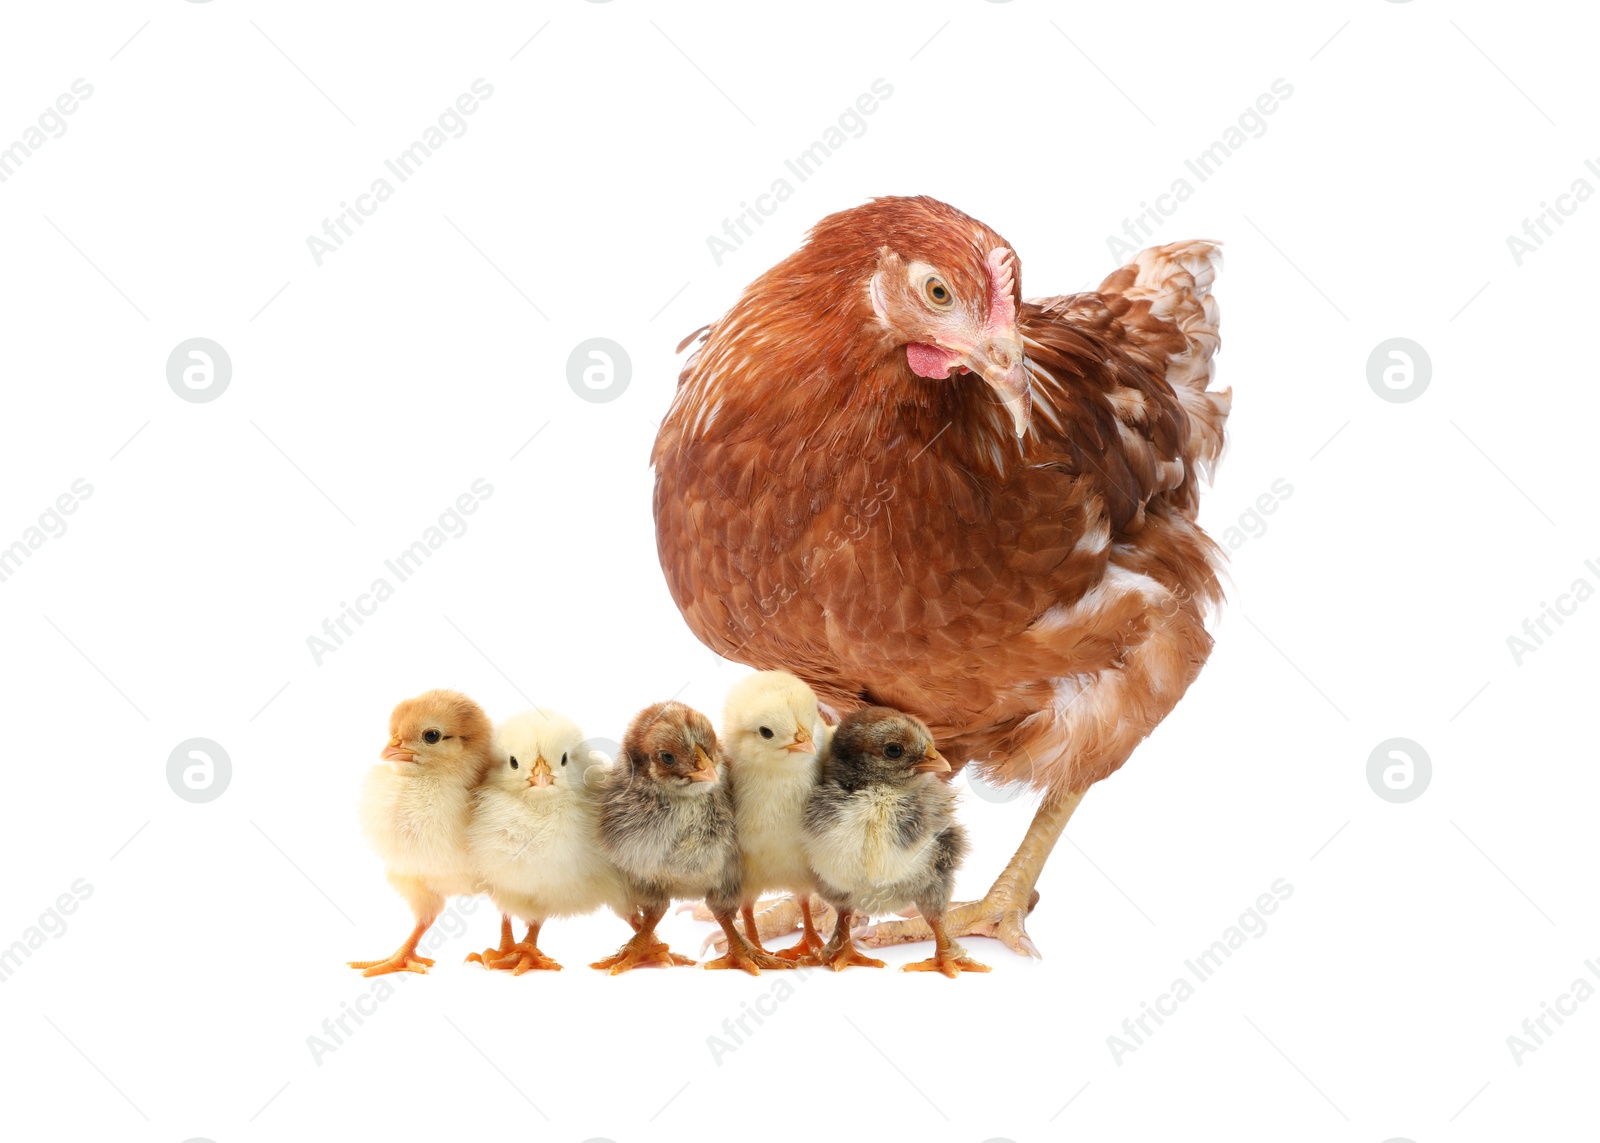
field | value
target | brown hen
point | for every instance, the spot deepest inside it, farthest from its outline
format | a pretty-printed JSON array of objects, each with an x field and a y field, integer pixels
[{"x": 887, "y": 473}]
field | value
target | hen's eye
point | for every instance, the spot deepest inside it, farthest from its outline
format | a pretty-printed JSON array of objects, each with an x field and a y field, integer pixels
[
  {"x": 431, "y": 737},
  {"x": 766, "y": 732},
  {"x": 563, "y": 759},
  {"x": 893, "y": 750},
  {"x": 937, "y": 293},
  {"x": 513, "y": 761},
  {"x": 667, "y": 759}
]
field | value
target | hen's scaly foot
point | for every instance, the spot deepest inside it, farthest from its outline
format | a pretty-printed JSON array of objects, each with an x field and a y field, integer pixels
[
  {"x": 995, "y": 916},
  {"x": 524, "y": 957},
  {"x": 640, "y": 954},
  {"x": 401, "y": 961}
]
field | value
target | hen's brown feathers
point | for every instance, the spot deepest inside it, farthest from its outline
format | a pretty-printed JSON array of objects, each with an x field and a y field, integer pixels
[{"x": 823, "y": 510}]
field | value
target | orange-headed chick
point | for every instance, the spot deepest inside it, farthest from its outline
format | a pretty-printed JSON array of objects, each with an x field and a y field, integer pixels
[{"x": 416, "y": 807}]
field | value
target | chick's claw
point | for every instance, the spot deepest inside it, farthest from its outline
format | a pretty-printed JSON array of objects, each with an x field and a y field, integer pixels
[
  {"x": 507, "y": 943},
  {"x": 804, "y": 951},
  {"x": 952, "y": 964},
  {"x": 524, "y": 958},
  {"x": 752, "y": 960},
  {"x": 641, "y": 954},
  {"x": 778, "y": 917},
  {"x": 845, "y": 957},
  {"x": 399, "y": 962}
]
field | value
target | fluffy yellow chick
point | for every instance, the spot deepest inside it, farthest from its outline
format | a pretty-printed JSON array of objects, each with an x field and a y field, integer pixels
[
  {"x": 773, "y": 734},
  {"x": 534, "y": 837},
  {"x": 416, "y": 806}
]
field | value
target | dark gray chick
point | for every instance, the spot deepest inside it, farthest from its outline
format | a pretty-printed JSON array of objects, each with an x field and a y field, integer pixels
[{"x": 880, "y": 833}]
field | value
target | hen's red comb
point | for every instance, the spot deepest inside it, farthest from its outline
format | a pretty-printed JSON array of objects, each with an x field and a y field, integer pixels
[{"x": 1002, "y": 283}]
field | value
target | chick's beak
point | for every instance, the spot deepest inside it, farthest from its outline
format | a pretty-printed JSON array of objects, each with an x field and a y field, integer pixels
[
  {"x": 932, "y": 763},
  {"x": 802, "y": 743},
  {"x": 541, "y": 774},
  {"x": 998, "y": 359},
  {"x": 707, "y": 771},
  {"x": 394, "y": 752}
]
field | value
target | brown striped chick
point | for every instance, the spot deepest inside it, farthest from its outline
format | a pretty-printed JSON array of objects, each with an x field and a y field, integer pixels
[
  {"x": 667, "y": 821},
  {"x": 534, "y": 837},
  {"x": 772, "y": 734},
  {"x": 416, "y": 806}
]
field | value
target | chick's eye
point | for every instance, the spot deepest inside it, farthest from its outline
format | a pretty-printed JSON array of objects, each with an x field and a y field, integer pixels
[
  {"x": 766, "y": 732},
  {"x": 893, "y": 750},
  {"x": 937, "y": 293},
  {"x": 513, "y": 761},
  {"x": 667, "y": 759},
  {"x": 563, "y": 759},
  {"x": 431, "y": 737}
]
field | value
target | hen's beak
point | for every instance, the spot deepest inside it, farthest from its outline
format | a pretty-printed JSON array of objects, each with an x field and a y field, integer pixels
[
  {"x": 394, "y": 752},
  {"x": 802, "y": 743},
  {"x": 707, "y": 771},
  {"x": 999, "y": 361},
  {"x": 541, "y": 775},
  {"x": 932, "y": 763}
]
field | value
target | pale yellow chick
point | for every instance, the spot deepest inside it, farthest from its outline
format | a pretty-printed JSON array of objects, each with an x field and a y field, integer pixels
[
  {"x": 534, "y": 837},
  {"x": 416, "y": 806},
  {"x": 773, "y": 735}
]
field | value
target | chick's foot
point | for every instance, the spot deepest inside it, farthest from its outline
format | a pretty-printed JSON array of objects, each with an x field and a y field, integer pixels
[
  {"x": 845, "y": 956},
  {"x": 645, "y": 949},
  {"x": 775, "y": 918},
  {"x": 404, "y": 958},
  {"x": 999, "y": 915},
  {"x": 523, "y": 957},
  {"x": 749, "y": 958},
  {"x": 507, "y": 943}
]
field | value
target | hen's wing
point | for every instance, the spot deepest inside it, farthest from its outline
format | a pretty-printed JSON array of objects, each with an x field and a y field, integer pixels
[{"x": 1122, "y": 375}]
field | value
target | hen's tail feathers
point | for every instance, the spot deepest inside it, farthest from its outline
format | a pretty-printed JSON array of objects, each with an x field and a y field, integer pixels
[{"x": 1170, "y": 287}]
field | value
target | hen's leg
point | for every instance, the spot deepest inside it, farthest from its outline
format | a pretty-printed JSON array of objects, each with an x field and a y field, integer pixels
[
  {"x": 1001, "y": 912},
  {"x": 948, "y": 957},
  {"x": 840, "y": 951},
  {"x": 506, "y": 943},
  {"x": 644, "y": 947},
  {"x": 741, "y": 953},
  {"x": 404, "y": 958},
  {"x": 525, "y": 956}
]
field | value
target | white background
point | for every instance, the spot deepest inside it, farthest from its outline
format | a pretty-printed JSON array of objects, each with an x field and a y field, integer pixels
[{"x": 370, "y": 391}]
